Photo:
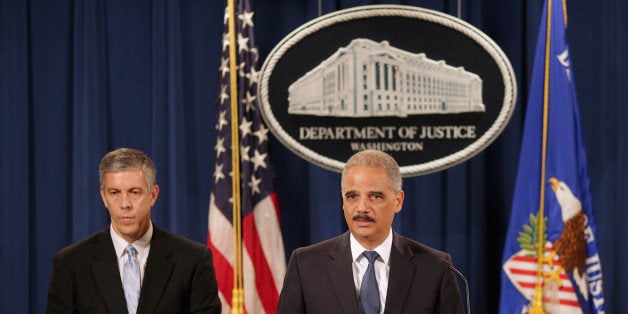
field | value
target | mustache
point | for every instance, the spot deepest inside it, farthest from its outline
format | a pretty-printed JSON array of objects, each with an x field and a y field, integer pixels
[{"x": 363, "y": 217}]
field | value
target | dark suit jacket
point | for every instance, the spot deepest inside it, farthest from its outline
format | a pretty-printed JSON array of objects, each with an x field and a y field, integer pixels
[
  {"x": 179, "y": 277},
  {"x": 319, "y": 279}
]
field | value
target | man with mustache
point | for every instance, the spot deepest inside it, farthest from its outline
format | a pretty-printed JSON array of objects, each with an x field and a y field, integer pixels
[
  {"x": 370, "y": 268},
  {"x": 132, "y": 265}
]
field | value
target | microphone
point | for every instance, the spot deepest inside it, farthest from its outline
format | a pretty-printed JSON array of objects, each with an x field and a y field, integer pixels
[{"x": 446, "y": 264}]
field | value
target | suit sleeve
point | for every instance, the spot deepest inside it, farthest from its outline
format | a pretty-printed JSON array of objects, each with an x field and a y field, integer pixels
[
  {"x": 450, "y": 301},
  {"x": 204, "y": 294},
  {"x": 60, "y": 289},
  {"x": 291, "y": 297}
]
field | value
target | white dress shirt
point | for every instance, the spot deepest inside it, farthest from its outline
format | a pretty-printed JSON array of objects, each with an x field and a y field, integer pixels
[
  {"x": 382, "y": 266},
  {"x": 142, "y": 246}
]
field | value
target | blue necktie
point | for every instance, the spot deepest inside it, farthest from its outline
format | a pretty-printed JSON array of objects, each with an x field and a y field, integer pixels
[
  {"x": 131, "y": 279},
  {"x": 369, "y": 293}
]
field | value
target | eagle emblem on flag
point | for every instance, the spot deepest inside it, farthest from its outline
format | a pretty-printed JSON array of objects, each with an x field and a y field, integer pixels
[{"x": 564, "y": 258}]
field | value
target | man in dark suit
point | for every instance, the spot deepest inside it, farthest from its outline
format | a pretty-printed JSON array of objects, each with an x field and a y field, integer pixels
[
  {"x": 345, "y": 273},
  {"x": 132, "y": 266}
]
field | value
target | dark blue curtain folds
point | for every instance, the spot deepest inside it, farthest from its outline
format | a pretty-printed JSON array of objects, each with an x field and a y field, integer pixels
[{"x": 79, "y": 78}]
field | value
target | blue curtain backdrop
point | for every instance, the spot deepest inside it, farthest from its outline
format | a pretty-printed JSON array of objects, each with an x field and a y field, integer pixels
[{"x": 79, "y": 78}]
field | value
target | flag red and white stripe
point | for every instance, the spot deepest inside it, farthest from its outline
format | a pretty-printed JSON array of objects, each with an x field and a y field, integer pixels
[
  {"x": 521, "y": 269},
  {"x": 263, "y": 256}
]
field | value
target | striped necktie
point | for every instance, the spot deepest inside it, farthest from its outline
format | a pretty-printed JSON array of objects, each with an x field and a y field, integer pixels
[
  {"x": 131, "y": 279},
  {"x": 369, "y": 292}
]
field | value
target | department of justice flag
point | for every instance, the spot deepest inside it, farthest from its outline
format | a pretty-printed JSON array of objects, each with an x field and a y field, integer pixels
[
  {"x": 263, "y": 256},
  {"x": 570, "y": 269}
]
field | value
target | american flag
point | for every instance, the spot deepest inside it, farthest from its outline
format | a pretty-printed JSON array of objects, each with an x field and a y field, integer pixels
[{"x": 263, "y": 257}]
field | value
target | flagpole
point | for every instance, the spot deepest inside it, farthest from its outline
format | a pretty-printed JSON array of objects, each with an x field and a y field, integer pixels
[
  {"x": 237, "y": 298},
  {"x": 537, "y": 301}
]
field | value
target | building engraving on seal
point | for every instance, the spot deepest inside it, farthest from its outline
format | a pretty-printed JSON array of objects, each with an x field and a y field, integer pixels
[{"x": 369, "y": 79}]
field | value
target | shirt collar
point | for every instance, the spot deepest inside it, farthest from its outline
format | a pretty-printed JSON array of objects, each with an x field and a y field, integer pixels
[
  {"x": 141, "y": 244},
  {"x": 383, "y": 249}
]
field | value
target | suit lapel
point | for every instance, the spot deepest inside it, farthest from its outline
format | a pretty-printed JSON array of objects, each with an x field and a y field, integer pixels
[
  {"x": 157, "y": 273},
  {"x": 401, "y": 275},
  {"x": 104, "y": 268},
  {"x": 341, "y": 275}
]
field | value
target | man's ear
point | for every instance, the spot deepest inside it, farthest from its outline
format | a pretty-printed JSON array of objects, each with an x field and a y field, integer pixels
[
  {"x": 102, "y": 196},
  {"x": 399, "y": 201},
  {"x": 154, "y": 194}
]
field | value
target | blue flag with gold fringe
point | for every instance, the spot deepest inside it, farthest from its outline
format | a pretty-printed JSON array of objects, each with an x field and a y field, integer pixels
[{"x": 551, "y": 262}]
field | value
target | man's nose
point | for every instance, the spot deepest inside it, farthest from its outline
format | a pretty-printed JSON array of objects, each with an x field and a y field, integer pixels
[
  {"x": 126, "y": 201},
  {"x": 363, "y": 205}
]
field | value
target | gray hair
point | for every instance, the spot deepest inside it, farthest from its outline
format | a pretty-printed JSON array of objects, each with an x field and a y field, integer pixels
[
  {"x": 375, "y": 159},
  {"x": 123, "y": 159}
]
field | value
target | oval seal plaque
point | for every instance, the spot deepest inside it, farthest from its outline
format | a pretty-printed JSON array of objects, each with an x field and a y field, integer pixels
[{"x": 424, "y": 86}]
